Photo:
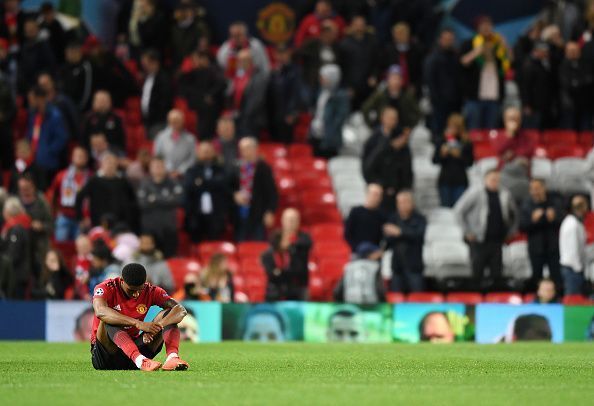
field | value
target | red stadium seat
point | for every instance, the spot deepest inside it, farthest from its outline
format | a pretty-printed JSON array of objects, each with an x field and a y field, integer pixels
[
  {"x": 312, "y": 180},
  {"x": 575, "y": 300},
  {"x": 132, "y": 118},
  {"x": 181, "y": 104},
  {"x": 327, "y": 232},
  {"x": 589, "y": 224},
  {"x": 529, "y": 297},
  {"x": 503, "y": 297},
  {"x": 484, "y": 150},
  {"x": 307, "y": 164},
  {"x": 68, "y": 251},
  {"x": 478, "y": 136},
  {"x": 206, "y": 250},
  {"x": 251, "y": 249},
  {"x": 272, "y": 151},
  {"x": 565, "y": 137},
  {"x": 280, "y": 165},
  {"x": 318, "y": 215},
  {"x": 425, "y": 297},
  {"x": 133, "y": 104},
  {"x": 179, "y": 267},
  {"x": 469, "y": 298},
  {"x": 586, "y": 139},
  {"x": 317, "y": 198},
  {"x": 300, "y": 150},
  {"x": 323, "y": 250},
  {"x": 565, "y": 151},
  {"x": 395, "y": 297},
  {"x": 191, "y": 121}
]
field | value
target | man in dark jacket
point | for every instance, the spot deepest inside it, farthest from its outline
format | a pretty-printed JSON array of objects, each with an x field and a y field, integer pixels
[
  {"x": 577, "y": 83},
  {"x": 15, "y": 243},
  {"x": 102, "y": 119},
  {"x": 405, "y": 234},
  {"x": 390, "y": 165},
  {"x": 207, "y": 196},
  {"x": 365, "y": 222},
  {"x": 159, "y": 197},
  {"x": 54, "y": 30},
  {"x": 384, "y": 131},
  {"x": 76, "y": 77},
  {"x": 536, "y": 91},
  {"x": 7, "y": 113},
  {"x": 255, "y": 194},
  {"x": 157, "y": 96},
  {"x": 404, "y": 52},
  {"x": 187, "y": 32},
  {"x": 69, "y": 111},
  {"x": 541, "y": 218},
  {"x": 35, "y": 56}
]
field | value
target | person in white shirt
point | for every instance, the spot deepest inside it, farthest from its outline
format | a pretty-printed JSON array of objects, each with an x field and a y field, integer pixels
[{"x": 572, "y": 246}]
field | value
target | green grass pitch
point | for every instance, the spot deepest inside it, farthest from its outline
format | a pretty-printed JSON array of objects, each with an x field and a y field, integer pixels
[{"x": 307, "y": 374}]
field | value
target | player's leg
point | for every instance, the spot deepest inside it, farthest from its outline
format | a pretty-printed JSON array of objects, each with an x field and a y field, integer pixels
[
  {"x": 170, "y": 336},
  {"x": 116, "y": 336}
]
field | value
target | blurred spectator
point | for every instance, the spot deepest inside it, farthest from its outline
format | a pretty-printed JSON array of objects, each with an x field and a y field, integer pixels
[
  {"x": 46, "y": 133},
  {"x": 25, "y": 164},
  {"x": 540, "y": 218},
  {"x": 157, "y": 270},
  {"x": 82, "y": 267},
  {"x": 488, "y": 215},
  {"x": 63, "y": 191},
  {"x": 523, "y": 47},
  {"x": 239, "y": 40},
  {"x": 203, "y": 87},
  {"x": 159, "y": 198},
  {"x": 435, "y": 327},
  {"x": 387, "y": 127},
  {"x": 404, "y": 52},
  {"x": 226, "y": 144},
  {"x": 310, "y": 26},
  {"x": 16, "y": 245},
  {"x": 13, "y": 21},
  {"x": 108, "y": 193},
  {"x": 149, "y": 28},
  {"x": 576, "y": 86},
  {"x": 6, "y": 276},
  {"x": 515, "y": 149},
  {"x": 590, "y": 174},
  {"x": 284, "y": 95},
  {"x": 405, "y": 234},
  {"x": 40, "y": 214},
  {"x": 207, "y": 197},
  {"x": 35, "y": 56},
  {"x": 332, "y": 110},
  {"x": 102, "y": 119},
  {"x": 55, "y": 278},
  {"x": 247, "y": 95},
  {"x": 364, "y": 223},
  {"x": 52, "y": 29},
  {"x": 254, "y": 193},
  {"x": 103, "y": 265},
  {"x": 362, "y": 281},
  {"x": 454, "y": 153},
  {"x": 175, "y": 145},
  {"x": 572, "y": 247},
  {"x": 76, "y": 77},
  {"x": 536, "y": 89},
  {"x": 216, "y": 281},
  {"x": 187, "y": 31},
  {"x": 443, "y": 77},
  {"x": 99, "y": 147},
  {"x": 585, "y": 37},
  {"x": 7, "y": 113},
  {"x": 359, "y": 47},
  {"x": 156, "y": 97},
  {"x": 69, "y": 111},
  {"x": 391, "y": 93},
  {"x": 546, "y": 292},
  {"x": 485, "y": 60},
  {"x": 286, "y": 260},
  {"x": 138, "y": 169},
  {"x": 390, "y": 165}
]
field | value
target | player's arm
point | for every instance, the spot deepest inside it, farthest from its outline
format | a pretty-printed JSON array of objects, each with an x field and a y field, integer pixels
[
  {"x": 176, "y": 313},
  {"x": 115, "y": 318}
]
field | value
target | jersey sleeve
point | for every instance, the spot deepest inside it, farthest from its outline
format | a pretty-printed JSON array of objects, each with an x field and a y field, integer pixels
[
  {"x": 103, "y": 290},
  {"x": 159, "y": 296}
]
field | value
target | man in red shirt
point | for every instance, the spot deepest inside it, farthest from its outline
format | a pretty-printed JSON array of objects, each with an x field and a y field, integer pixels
[
  {"x": 311, "y": 25},
  {"x": 120, "y": 305}
]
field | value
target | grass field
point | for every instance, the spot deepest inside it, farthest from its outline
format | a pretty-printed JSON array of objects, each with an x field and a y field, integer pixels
[{"x": 257, "y": 374}]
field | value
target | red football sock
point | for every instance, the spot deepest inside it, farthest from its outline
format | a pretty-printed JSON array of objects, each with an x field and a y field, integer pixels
[
  {"x": 171, "y": 339},
  {"x": 126, "y": 344}
]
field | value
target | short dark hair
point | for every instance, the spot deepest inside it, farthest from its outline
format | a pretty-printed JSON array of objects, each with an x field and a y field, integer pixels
[
  {"x": 532, "y": 327},
  {"x": 152, "y": 55},
  {"x": 134, "y": 274}
]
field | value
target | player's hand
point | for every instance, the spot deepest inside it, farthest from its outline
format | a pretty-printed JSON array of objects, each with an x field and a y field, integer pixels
[
  {"x": 150, "y": 327},
  {"x": 147, "y": 338}
]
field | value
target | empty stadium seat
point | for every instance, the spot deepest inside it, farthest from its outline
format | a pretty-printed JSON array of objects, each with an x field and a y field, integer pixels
[
  {"x": 484, "y": 150},
  {"x": 469, "y": 298},
  {"x": 395, "y": 297},
  {"x": 442, "y": 215},
  {"x": 327, "y": 232},
  {"x": 586, "y": 139},
  {"x": 541, "y": 168},
  {"x": 179, "y": 267},
  {"x": 443, "y": 232},
  {"x": 317, "y": 215},
  {"x": 565, "y": 151},
  {"x": 331, "y": 249},
  {"x": 300, "y": 150},
  {"x": 272, "y": 151},
  {"x": 317, "y": 198},
  {"x": 251, "y": 249},
  {"x": 503, "y": 297},
  {"x": 565, "y": 137},
  {"x": 575, "y": 300},
  {"x": 425, "y": 297},
  {"x": 205, "y": 250}
]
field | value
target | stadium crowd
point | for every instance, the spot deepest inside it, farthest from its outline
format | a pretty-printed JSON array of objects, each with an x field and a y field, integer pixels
[{"x": 208, "y": 163}]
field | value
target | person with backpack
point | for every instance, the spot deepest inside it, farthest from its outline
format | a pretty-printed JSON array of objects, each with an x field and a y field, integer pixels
[{"x": 362, "y": 282}]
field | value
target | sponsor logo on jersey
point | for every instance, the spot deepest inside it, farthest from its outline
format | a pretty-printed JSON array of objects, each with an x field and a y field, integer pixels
[
  {"x": 99, "y": 292},
  {"x": 141, "y": 308}
]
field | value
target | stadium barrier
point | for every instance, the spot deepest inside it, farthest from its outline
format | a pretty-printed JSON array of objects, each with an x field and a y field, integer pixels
[{"x": 211, "y": 322}]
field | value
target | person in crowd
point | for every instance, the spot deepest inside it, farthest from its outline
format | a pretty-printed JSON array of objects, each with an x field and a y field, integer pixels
[
  {"x": 138, "y": 170},
  {"x": 572, "y": 247},
  {"x": 67, "y": 108},
  {"x": 254, "y": 193},
  {"x": 524, "y": 45},
  {"x": 156, "y": 96},
  {"x": 485, "y": 62},
  {"x": 226, "y": 143},
  {"x": 454, "y": 153},
  {"x": 404, "y": 233},
  {"x": 540, "y": 218},
  {"x": 76, "y": 76},
  {"x": 35, "y": 56},
  {"x": 515, "y": 150},
  {"x": 546, "y": 293},
  {"x": 13, "y": 18},
  {"x": 125, "y": 243},
  {"x": 443, "y": 77},
  {"x": 247, "y": 95},
  {"x": 16, "y": 244},
  {"x": 102, "y": 119},
  {"x": 332, "y": 110},
  {"x": 82, "y": 267},
  {"x": 149, "y": 27},
  {"x": 103, "y": 265},
  {"x": 7, "y": 114},
  {"x": 6, "y": 276},
  {"x": 157, "y": 270},
  {"x": 391, "y": 93},
  {"x": 240, "y": 40},
  {"x": 99, "y": 147},
  {"x": 387, "y": 127},
  {"x": 108, "y": 193},
  {"x": 536, "y": 89},
  {"x": 284, "y": 95},
  {"x": 576, "y": 80},
  {"x": 203, "y": 87},
  {"x": 286, "y": 260},
  {"x": 46, "y": 133},
  {"x": 488, "y": 215},
  {"x": 346, "y": 325},
  {"x": 25, "y": 165},
  {"x": 360, "y": 48},
  {"x": 390, "y": 165},
  {"x": 55, "y": 277},
  {"x": 187, "y": 32},
  {"x": 52, "y": 29},
  {"x": 364, "y": 223},
  {"x": 435, "y": 327},
  {"x": 63, "y": 191},
  {"x": 404, "y": 52},
  {"x": 310, "y": 26},
  {"x": 207, "y": 196},
  {"x": 362, "y": 281},
  {"x": 216, "y": 280},
  {"x": 175, "y": 145},
  {"x": 159, "y": 197}
]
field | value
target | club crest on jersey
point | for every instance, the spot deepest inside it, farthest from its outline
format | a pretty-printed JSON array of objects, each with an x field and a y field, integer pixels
[
  {"x": 141, "y": 308},
  {"x": 99, "y": 292}
]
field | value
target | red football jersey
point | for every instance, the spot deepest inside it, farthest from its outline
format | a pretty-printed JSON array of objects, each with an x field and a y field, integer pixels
[{"x": 111, "y": 290}]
